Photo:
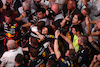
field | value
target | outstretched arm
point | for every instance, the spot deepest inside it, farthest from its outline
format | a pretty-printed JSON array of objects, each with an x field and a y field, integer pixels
[
  {"x": 56, "y": 47},
  {"x": 64, "y": 21}
]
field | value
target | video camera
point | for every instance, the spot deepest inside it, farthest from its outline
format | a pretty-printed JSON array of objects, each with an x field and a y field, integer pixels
[
  {"x": 31, "y": 18},
  {"x": 51, "y": 13},
  {"x": 62, "y": 30},
  {"x": 8, "y": 6}
]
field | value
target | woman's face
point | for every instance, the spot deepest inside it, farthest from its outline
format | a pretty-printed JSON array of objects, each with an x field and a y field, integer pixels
[
  {"x": 75, "y": 20},
  {"x": 44, "y": 30}
]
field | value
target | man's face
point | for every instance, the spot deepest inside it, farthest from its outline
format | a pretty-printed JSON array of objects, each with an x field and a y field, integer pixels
[
  {"x": 8, "y": 19},
  {"x": 70, "y": 5},
  {"x": 40, "y": 15},
  {"x": 79, "y": 41},
  {"x": 9, "y": 1},
  {"x": 73, "y": 31}
]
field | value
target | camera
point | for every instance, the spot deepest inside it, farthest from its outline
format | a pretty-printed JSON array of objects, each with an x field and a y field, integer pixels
[
  {"x": 8, "y": 6},
  {"x": 34, "y": 19},
  {"x": 31, "y": 18},
  {"x": 28, "y": 13},
  {"x": 51, "y": 13},
  {"x": 62, "y": 30}
]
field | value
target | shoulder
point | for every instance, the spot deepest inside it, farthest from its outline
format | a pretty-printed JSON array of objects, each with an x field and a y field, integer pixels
[
  {"x": 20, "y": 9},
  {"x": 32, "y": 10},
  {"x": 19, "y": 50}
]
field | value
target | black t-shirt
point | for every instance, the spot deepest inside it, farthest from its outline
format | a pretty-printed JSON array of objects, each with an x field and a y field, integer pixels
[
  {"x": 22, "y": 65},
  {"x": 70, "y": 13},
  {"x": 42, "y": 50},
  {"x": 83, "y": 56},
  {"x": 64, "y": 63},
  {"x": 38, "y": 62},
  {"x": 17, "y": 4},
  {"x": 65, "y": 10}
]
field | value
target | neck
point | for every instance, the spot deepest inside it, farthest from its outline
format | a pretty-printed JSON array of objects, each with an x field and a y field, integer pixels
[
  {"x": 16, "y": 64},
  {"x": 32, "y": 58},
  {"x": 73, "y": 9},
  {"x": 78, "y": 35}
]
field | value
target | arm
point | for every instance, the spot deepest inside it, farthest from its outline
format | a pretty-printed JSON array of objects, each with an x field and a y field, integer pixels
[
  {"x": 4, "y": 7},
  {"x": 91, "y": 40},
  {"x": 95, "y": 33},
  {"x": 21, "y": 16},
  {"x": 87, "y": 24},
  {"x": 50, "y": 49},
  {"x": 25, "y": 49},
  {"x": 64, "y": 21},
  {"x": 2, "y": 64},
  {"x": 56, "y": 47},
  {"x": 27, "y": 24},
  {"x": 35, "y": 30},
  {"x": 53, "y": 27},
  {"x": 93, "y": 22},
  {"x": 68, "y": 41},
  {"x": 93, "y": 61},
  {"x": 85, "y": 3}
]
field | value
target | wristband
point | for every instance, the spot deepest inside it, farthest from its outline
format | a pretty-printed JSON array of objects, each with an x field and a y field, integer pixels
[
  {"x": 88, "y": 28},
  {"x": 56, "y": 38}
]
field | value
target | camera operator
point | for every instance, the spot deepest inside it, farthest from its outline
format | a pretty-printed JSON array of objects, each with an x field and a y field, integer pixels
[
  {"x": 70, "y": 9},
  {"x": 12, "y": 4},
  {"x": 41, "y": 14},
  {"x": 96, "y": 61},
  {"x": 56, "y": 15},
  {"x": 26, "y": 13},
  {"x": 2, "y": 7},
  {"x": 70, "y": 55}
]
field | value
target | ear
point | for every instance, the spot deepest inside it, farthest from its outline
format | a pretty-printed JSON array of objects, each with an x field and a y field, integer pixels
[
  {"x": 74, "y": 5},
  {"x": 30, "y": 55},
  {"x": 44, "y": 14},
  {"x": 79, "y": 21},
  {"x": 82, "y": 44},
  {"x": 77, "y": 32}
]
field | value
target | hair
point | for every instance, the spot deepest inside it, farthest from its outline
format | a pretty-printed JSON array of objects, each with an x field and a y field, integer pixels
[
  {"x": 40, "y": 25},
  {"x": 34, "y": 52},
  {"x": 87, "y": 11},
  {"x": 80, "y": 16},
  {"x": 78, "y": 28},
  {"x": 72, "y": 54},
  {"x": 41, "y": 10},
  {"x": 75, "y": 3},
  {"x": 50, "y": 30},
  {"x": 84, "y": 39},
  {"x": 52, "y": 62},
  {"x": 26, "y": 4},
  {"x": 19, "y": 58},
  {"x": 9, "y": 13},
  {"x": 11, "y": 44},
  {"x": 34, "y": 42}
]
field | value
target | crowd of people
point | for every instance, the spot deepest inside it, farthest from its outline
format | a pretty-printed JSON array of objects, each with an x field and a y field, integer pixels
[{"x": 49, "y": 33}]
